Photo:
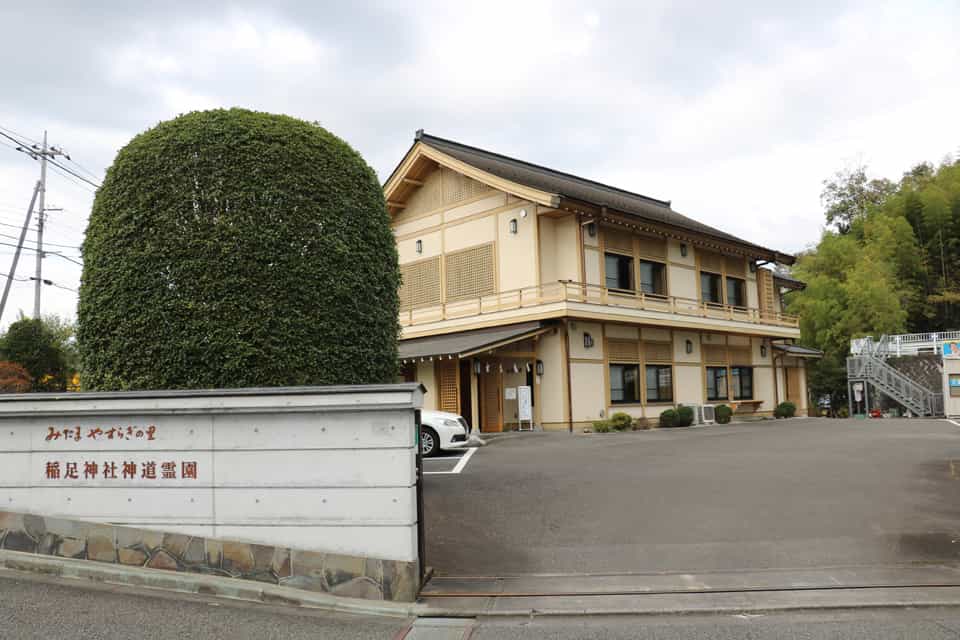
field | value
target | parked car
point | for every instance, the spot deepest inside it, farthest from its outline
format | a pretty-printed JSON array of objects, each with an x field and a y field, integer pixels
[{"x": 440, "y": 430}]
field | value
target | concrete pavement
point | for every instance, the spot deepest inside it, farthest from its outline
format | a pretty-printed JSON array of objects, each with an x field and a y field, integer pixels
[
  {"x": 35, "y": 607},
  {"x": 793, "y": 494}
]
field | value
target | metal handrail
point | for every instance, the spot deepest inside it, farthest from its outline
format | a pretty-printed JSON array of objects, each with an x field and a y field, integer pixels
[
  {"x": 895, "y": 384},
  {"x": 579, "y": 292}
]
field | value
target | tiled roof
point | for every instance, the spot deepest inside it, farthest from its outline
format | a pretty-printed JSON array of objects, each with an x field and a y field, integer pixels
[{"x": 577, "y": 188}]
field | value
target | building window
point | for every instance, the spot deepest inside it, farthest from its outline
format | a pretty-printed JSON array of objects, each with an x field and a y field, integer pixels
[
  {"x": 711, "y": 287},
  {"x": 742, "y": 381},
  {"x": 736, "y": 292},
  {"x": 623, "y": 383},
  {"x": 653, "y": 278},
  {"x": 659, "y": 383},
  {"x": 619, "y": 271},
  {"x": 717, "y": 383}
]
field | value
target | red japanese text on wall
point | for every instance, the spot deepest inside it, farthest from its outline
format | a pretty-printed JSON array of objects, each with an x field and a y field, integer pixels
[
  {"x": 145, "y": 433},
  {"x": 120, "y": 470}
]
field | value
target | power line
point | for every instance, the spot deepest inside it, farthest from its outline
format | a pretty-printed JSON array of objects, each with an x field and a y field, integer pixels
[
  {"x": 52, "y": 244},
  {"x": 46, "y": 253}
]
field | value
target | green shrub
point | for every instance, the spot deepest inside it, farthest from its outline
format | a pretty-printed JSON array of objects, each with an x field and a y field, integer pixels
[
  {"x": 31, "y": 344},
  {"x": 785, "y": 410},
  {"x": 669, "y": 418},
  {"x": 230, "y": 248},
  {"x": 602, "y": 426},
  {"x": 684, "y": 416},
  {"x": 621, "y": 421},
  {"x": 723, "y": 414},
  {"x": 843, "y": 412}
]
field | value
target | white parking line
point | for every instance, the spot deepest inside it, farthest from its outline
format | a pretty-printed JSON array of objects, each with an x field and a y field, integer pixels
[
  {"x": 457, "y": 469},
  {"x": 952, "y": 421}
]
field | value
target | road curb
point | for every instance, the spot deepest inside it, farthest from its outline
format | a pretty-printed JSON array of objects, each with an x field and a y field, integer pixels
[{"x": 198, "y": 584}]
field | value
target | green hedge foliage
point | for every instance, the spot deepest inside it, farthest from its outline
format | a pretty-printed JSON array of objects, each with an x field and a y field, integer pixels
[
  {"x": 668, "y": 418},
  {"x": 785, "y": 410},
  {"x": 684, "y": 416},
  {"x": 231, "y": 248},
  {"x": 723, "y": 413}
]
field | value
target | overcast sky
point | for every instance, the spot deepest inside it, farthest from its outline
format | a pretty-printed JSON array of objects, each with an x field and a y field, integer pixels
[{"x": 735, "y": 113}]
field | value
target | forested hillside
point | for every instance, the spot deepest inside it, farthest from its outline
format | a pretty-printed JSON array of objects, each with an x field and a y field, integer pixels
[{"x": 888, "y": 262}]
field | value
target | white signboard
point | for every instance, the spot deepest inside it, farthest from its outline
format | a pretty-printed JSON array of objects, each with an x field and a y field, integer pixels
[{"x": 524, "y": 404}]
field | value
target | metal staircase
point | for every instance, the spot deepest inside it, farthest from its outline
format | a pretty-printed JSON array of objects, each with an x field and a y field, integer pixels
[{"x": 868, "y": 364}]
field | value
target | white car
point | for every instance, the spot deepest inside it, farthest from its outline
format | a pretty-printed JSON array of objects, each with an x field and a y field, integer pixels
[{"x": 440, "y": 430}]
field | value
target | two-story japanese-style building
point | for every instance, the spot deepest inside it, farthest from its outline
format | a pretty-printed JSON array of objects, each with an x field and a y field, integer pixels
[{"x": 599, "y": 299}]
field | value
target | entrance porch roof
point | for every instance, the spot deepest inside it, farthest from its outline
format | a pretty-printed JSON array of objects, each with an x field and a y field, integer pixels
[{"x": 467, "y": 343}]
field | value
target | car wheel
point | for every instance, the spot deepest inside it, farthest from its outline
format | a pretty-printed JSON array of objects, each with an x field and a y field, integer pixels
[{"x": 429, "y": 442}]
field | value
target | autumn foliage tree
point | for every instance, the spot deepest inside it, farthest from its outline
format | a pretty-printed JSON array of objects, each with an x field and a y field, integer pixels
[{"x": 14, "y": 378}]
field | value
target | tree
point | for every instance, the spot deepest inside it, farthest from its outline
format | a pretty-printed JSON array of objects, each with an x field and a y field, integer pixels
[
  {"x": 29, "y": 343},
  {"x": 65, "y": 334},
  {"x": 14, "y": 378},
  {"x": 849, "y": 195},
  {"x": 230, "y": 248}
]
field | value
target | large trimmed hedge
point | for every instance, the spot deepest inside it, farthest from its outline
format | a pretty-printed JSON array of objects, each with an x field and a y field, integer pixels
[{"x": 231, "y": 248}]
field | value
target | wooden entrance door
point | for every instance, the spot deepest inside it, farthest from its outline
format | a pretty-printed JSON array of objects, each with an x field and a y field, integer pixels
[
  {"x": 448, "y": 386},
  {"x": 793, "y": 386},
  {"x": 491, "y": 404}
]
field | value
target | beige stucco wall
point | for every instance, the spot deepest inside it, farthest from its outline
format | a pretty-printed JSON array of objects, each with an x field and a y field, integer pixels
[
  {"x": 588, "y": 390},
  {"x": 682, "y": 282},
  {"x": 553, "y": 382},
  {"x": 425, "y": 376},
  {"x": 432, "y": 246},
  {"x": 470, "y": 234},
  {"x": 577, "y": 350},
  {"x": 517, "y": 252}
]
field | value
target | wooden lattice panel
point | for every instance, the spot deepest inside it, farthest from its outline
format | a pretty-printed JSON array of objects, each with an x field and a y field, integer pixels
[
  {"x": 458, "y": 187},
  {"x": 421, "y": 284},
  {"x": 658, "y": 351},
  {"x": 767, "y": 291},
  {"x": 470, "y": 273},
  {"x": 652, "y": 247},
  {"x": 623, "y": 351},
  {"x": 448, "y": 394},
  {"x": 715, "y": 353},
  {"x": 710, "y": 261},
  {"x": 616, "y": 240},
  {"x": 736, "y": 267},
  {"x": 741, "y": 356}
]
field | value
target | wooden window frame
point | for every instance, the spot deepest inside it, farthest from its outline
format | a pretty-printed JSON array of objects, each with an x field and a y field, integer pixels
[
  {"x": 726, "y": 380},
  {"x": 646, "y": 387},
  {"x": 638, "y": 399}
]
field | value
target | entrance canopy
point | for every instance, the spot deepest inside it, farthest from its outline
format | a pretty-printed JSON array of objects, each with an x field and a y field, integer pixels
[
  {"x": 797, "y": 351},
  {"x": 467, "y": 343}
]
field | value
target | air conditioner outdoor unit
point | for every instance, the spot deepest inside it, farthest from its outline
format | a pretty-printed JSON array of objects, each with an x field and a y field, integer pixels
[{"x": 708, "y": 413}]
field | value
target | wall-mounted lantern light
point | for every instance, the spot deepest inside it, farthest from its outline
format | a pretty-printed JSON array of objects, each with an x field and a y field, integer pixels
[
  {"x": 689, "y": 346},
  {"x": 587, "y": 340},
  {"x": 683, "y": 250},
  {"x": 419, "y": 246},
  {"x": 539, "y": 367},
  {"x": 592, "y": 229},
  {"x": 763, "y": 351},
  {"x": 513, "y": 225},
  {"x": 476, "y": 367},
  {"x": 753, "y": 267}
]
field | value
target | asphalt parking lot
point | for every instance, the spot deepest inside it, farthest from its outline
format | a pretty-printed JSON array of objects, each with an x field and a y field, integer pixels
[{"x": 801, "y": 493}]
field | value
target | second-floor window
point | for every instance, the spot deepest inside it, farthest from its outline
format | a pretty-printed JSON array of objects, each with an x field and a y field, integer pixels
[
  {"x": 653, "y": 277},
  {"x": 711, "y": 287},
  {"x": 736, "y": 292},
  {"x": 619, "y": 271}
]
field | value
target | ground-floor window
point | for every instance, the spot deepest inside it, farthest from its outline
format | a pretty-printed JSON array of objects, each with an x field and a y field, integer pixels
[
  {"x": 742, "y": 379},
  {"x": 623, "y": 383},
  {"x": 659, "y": 383},
  {"x": 717, "y": 383}
]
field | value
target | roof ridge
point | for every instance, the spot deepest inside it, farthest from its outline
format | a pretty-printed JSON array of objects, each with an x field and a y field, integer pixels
[{"x": 421, "y": 134}]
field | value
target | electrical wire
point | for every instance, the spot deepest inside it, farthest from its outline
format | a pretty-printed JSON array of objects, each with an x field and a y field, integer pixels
[
  {"x": 45, "y": 252},
  {"x": 45, "y": 243}
]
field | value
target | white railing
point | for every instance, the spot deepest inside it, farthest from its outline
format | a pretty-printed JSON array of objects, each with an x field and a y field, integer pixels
[{"x": 903, "y": 344}]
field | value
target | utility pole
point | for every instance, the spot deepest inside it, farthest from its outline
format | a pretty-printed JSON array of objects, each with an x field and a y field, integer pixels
[
  {"x": 44, "y": 153},
  {"x": 16, "y": 254}
]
